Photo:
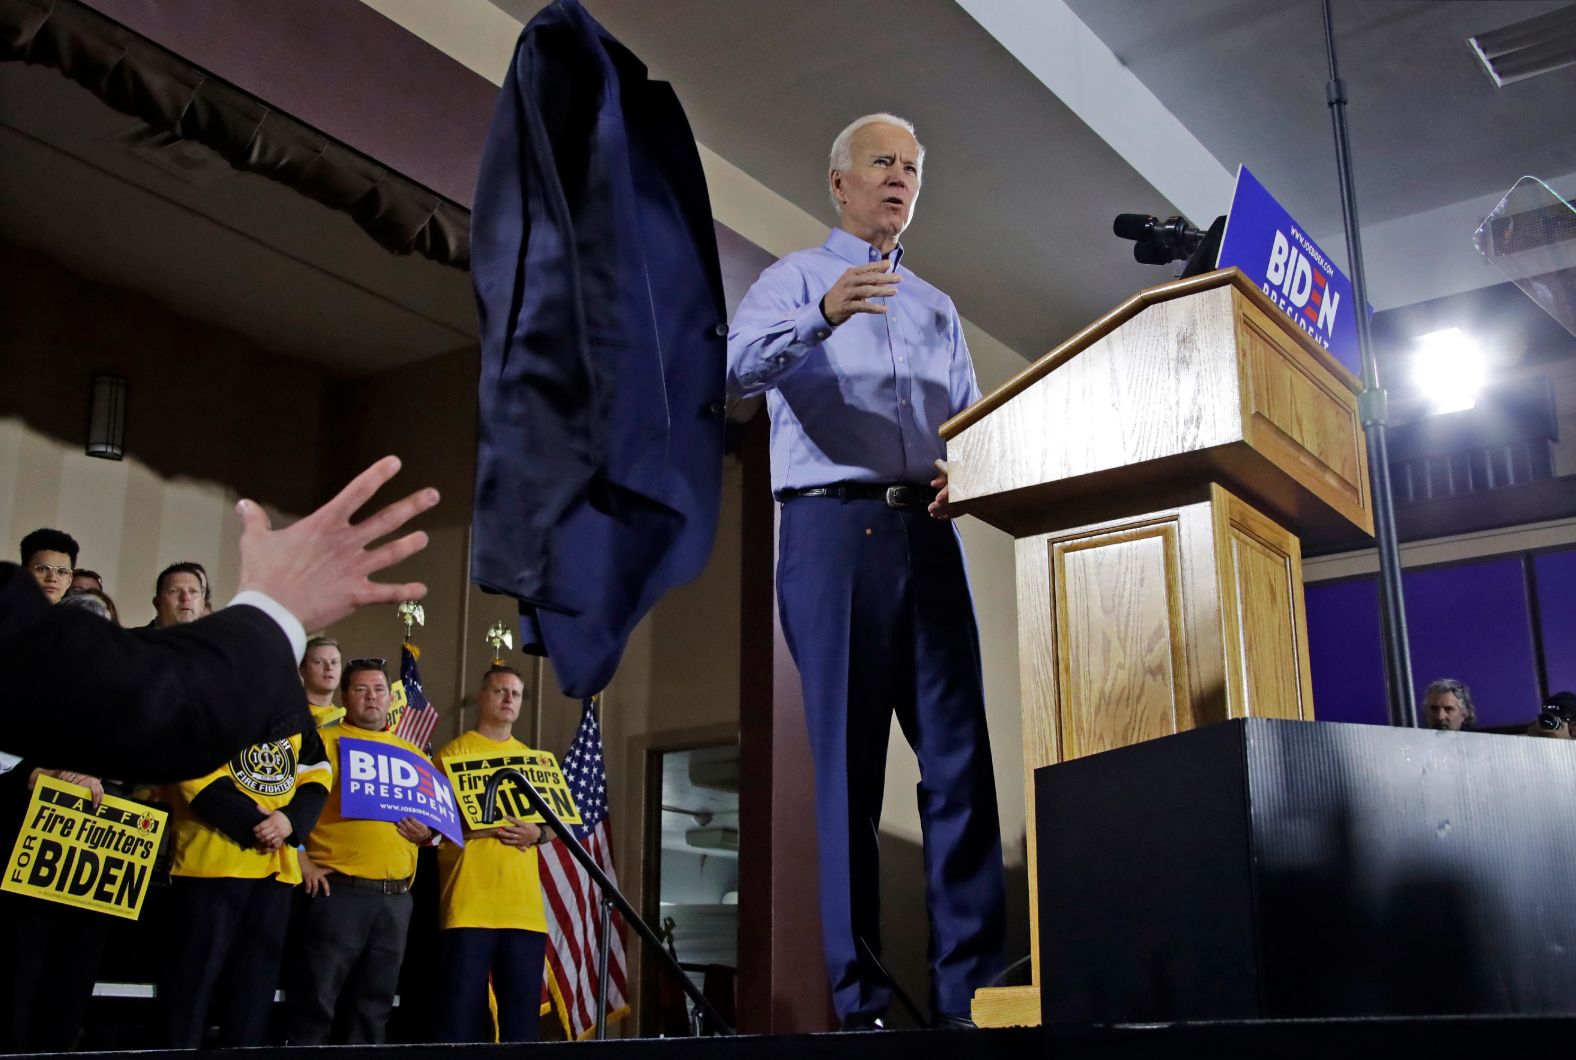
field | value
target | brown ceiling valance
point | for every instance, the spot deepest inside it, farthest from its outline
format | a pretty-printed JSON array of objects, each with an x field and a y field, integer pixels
[{"x": 137, "y": 77}]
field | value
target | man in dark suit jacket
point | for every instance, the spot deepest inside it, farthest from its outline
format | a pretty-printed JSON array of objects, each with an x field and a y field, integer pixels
[
  {"x": 166, "y": 704},
  {"x": 599, "y": 462}
]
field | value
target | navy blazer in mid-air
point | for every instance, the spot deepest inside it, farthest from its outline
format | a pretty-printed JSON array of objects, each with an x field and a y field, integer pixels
[{"x": 599, "y": 458}]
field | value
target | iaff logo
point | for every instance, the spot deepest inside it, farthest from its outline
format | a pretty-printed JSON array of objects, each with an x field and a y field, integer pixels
[
  {"x": 266, "y": 768},
  {"x": 1298, "y": 279}
]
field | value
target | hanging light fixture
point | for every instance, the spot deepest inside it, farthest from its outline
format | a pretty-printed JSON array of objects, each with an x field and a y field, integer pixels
[{"x": 107, "y": 417}]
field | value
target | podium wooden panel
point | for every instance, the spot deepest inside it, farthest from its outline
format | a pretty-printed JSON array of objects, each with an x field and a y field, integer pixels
[{"x": 1160, "y": 471}]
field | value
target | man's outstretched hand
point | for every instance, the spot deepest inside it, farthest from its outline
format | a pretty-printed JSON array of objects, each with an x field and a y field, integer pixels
[{"x": 320, "y": 568}]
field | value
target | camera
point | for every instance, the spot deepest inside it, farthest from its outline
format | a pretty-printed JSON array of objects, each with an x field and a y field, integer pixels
[{"x": 1559, "y": 709}]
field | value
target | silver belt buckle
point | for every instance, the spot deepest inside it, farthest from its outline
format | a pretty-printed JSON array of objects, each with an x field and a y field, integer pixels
[{"x": 896, "y": 495}]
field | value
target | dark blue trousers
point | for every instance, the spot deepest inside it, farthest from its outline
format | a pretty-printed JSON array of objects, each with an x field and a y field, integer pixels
[
  {"x": 224, "y": 956},
  {"x": 466, "y": 957},
  {"x": 876, "y": 608}
]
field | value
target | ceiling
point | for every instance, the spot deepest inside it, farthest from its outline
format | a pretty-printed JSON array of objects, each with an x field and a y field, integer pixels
[
  {"x": 81, "y": 186},
  {"x": 1020, "y": 104},
  {"x": 1015, "y": 218},
  {"x": 1022, "y": 179},
  {"x": 1428, "y": 128}
]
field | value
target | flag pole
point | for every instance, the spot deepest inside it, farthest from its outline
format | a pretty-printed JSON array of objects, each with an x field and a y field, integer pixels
[
  {"x": 608, "y": 892},
  {"x": 1371, "y": 406}
]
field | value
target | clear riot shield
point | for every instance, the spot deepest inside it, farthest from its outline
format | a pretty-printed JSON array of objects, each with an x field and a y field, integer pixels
[{"x": 1531, "y": 236}]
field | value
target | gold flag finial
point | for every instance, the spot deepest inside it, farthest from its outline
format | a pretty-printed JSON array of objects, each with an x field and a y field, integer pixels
[
  {"x": 412, "y": 614},
  {"x": 499, "y": 637}
]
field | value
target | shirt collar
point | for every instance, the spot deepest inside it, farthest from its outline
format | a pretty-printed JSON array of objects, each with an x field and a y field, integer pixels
[{"x": 856, "y": 251}]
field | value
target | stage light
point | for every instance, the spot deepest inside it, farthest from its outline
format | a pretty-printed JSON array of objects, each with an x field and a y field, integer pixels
[{"x": 1448, "y": 370}]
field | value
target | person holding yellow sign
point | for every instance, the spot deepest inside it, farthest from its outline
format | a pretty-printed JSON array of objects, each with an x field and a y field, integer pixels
[
  {"x": 492, "y": 920},
  {"x": 52, "y": 951}
]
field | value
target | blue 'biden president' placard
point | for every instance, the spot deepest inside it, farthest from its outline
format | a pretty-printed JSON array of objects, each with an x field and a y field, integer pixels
[
  {"x": 1274, "y": 252},
  {"x": 382, "y": 782}
]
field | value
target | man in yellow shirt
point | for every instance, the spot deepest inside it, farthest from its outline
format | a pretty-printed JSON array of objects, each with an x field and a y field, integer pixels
[
  {"x": 358, "y": 875},
  {"x": 232, "y": 876},
  {"x": 320, "y": 668},
  {"x": 490, "y": 906}
]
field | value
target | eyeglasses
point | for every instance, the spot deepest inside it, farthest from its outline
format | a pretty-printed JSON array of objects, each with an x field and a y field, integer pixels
[
  {"x": 42, "y": 570},
  {"x": 366, "y": 664}
]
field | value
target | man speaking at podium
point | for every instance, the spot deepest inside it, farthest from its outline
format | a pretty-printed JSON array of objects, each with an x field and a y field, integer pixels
[{"x": 861, "y": 361}]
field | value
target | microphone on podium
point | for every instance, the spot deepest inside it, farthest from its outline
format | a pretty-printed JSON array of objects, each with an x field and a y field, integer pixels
[{"x": 1157, "y": 242}]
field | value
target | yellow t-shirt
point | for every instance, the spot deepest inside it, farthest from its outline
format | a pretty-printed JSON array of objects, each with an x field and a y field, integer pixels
[
  {"x": 488, "y": 884},
  {"x": 372, "y": 850},
  {"x": 323, "y": 717},
  {"x": 268, "y": 773}
]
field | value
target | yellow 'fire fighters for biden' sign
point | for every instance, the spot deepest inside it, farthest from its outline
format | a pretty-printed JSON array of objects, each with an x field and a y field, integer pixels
[
  {"x": 71, "y": 853},
  {"x": 470, "y": 774}
]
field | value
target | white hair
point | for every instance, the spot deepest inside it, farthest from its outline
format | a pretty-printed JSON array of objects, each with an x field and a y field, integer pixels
[{"x": 842, "y": 156}]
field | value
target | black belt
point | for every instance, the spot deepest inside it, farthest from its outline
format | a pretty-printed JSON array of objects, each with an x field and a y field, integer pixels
[
  {"x": 400, "y": 886},
  {"x": 895, "y": 494}
]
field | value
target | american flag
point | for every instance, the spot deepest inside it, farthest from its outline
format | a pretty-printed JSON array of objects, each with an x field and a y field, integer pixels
[
  {"x": 574, "y": 916},
  {"x": 419, "y": 717}
]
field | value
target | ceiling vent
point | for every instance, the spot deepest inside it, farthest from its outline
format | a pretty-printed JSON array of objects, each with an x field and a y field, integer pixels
[{"x": 1526, "y": 49}]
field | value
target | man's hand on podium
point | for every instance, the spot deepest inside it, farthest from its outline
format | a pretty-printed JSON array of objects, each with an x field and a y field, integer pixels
[{"x": 940, "y": 508}]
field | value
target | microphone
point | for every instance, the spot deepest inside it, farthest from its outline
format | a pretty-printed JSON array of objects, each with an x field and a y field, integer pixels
[
  {"x": 1133, "y": 225},
  {"x": 1157, "y": 242}
]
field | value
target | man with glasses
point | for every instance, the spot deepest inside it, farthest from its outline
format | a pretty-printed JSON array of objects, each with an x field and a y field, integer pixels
[
  {"x": 55, "y": 949},
  {"x": 51, "y": 556},
  {"x": 358, "y": 875}
]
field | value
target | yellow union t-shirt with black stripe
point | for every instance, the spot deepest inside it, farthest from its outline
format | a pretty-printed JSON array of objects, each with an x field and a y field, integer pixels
[
  {"x": 268, "y": 773},
  {"x": 488, "y": 884},
  {"x": 371, "y": 850}
]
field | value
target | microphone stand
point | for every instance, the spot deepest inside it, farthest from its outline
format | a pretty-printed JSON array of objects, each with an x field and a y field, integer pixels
[
  {"x": 610, "y": 898},
  {"x": 1371, "y": 405}
]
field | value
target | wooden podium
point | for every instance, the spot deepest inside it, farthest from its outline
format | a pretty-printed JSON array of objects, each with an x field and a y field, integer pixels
[{"x": 1160, "y": 471}]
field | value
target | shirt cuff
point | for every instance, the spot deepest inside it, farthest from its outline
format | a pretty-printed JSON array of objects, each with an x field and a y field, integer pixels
[
  {"x": 810, "y": 327},
  {"x": 287, "y": 623}
]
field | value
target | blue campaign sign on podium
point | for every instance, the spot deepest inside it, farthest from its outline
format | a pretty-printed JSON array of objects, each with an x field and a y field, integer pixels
[{"x": 1273, "y": 251}]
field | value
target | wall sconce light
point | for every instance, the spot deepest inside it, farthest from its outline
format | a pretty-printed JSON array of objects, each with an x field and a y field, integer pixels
[{"x": 107, "y": 417}]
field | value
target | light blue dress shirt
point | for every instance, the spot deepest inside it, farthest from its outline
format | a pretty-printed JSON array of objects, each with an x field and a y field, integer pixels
[{"x": 861, "y": 402}]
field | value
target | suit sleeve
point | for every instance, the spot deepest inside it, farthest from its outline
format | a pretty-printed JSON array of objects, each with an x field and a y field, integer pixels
[
  {"x": 224, "y": 806},
  {"x": 156, "y": 704},
  {"x": 313, "y": 778}
]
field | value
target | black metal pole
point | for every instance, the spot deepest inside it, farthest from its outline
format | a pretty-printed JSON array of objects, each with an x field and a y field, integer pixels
[
  {"x": 604, "y": 944},
  {"x": 605, "y": 886},
  {"x": 1371, "y": 406}
]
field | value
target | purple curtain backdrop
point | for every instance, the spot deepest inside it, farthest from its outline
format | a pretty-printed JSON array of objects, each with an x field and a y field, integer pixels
[
  {"x": 1556, "y": 580},
  {"x": 1472, "y": 621}
]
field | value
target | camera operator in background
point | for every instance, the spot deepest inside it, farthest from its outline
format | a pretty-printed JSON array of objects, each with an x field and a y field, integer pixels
[{"x": 1557, "y": 719}]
